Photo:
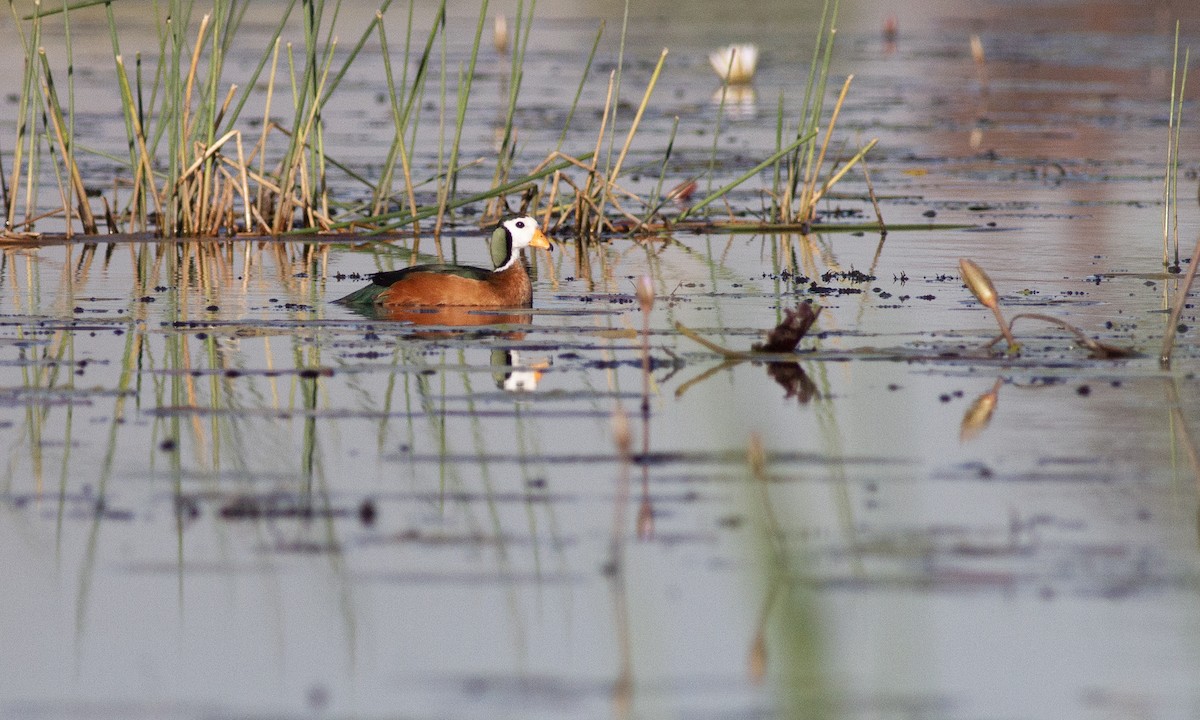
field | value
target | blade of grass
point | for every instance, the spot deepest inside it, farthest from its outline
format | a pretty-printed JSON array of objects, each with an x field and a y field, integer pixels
[
  {"x": 633, "y": 127},
  {"x": 463, "y": 96},
  {"x": 587, "y": 67},
  {"x": 721, "y": 192}
]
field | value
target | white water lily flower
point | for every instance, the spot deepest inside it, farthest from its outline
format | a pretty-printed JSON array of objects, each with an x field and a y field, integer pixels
[{"x": 735, "y": 63}]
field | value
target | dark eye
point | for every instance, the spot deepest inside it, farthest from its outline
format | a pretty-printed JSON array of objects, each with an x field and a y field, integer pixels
[{"x": 520, "y": 223}]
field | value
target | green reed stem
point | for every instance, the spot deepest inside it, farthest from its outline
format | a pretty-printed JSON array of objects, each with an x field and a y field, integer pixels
[
  {"x": 10, "y": 204},
  {"x": 587, "y": 67},
  {"x": 746, "y": 176},
  {"x": 1187, "y": 53},
  {"x": 814, "y": 94},
  {"x": 69, "y": 151},
  {"x": 776, "y": 189},
  {"x": 463, "y": 96},
  {"x": 712, "y": 154},
  {"x": 383, "y": 191},
  {"x": 656, "y": 200},
  {"x": 251, "y": 83},
  {"x": 356, "y": 49}
]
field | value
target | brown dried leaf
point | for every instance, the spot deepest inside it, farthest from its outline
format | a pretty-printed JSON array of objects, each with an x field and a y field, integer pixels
[{"x": 788, "y": 334}]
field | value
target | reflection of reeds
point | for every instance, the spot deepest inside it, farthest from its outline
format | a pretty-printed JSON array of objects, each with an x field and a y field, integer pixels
[
  {"x": 1168, "y": 343},
  {"x": 804, "y": 688}
]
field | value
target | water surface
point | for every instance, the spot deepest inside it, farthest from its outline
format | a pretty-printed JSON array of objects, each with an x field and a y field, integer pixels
[{"x": 223, "y": 495}]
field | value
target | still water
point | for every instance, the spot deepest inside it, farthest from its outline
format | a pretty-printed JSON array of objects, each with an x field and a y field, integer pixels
[{"x": 224, "y": 496}]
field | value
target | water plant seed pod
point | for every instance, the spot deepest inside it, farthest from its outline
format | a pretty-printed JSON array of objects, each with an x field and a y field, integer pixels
[
  {"x": 645, "y": 293},
  {"x": 979, "y": 283},
  {"x": 622, "y": 437}
]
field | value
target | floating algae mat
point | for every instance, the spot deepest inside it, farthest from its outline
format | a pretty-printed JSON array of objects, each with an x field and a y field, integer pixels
[{"x": 224, "y": 495}]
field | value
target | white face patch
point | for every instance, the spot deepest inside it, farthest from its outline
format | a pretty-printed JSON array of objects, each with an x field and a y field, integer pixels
[{"x": 520, "y": 231}]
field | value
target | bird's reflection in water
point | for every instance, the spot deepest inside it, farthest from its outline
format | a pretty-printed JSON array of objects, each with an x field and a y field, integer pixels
[
  {"x": 510, "y": 372},
  {"x": 450, "y": 321},
  {"x": 448, "y": 315},
  {"x": 515, "y": 376}
]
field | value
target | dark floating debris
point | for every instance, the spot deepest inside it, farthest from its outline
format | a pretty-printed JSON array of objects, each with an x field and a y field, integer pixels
[
  {"x": 788, "y": 333},
  {"x": 781, "y": 340},
  {"x": 850, "y": 275}
]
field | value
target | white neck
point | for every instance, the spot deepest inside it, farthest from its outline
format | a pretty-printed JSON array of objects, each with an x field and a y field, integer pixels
[{"x": 511, "y": 259}]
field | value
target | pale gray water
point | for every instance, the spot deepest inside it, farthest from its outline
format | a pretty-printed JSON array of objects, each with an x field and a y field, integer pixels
[{"x": 277, "y": 507}]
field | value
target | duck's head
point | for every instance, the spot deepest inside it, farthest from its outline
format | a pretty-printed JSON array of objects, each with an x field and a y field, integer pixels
[{"x": 510, "y": 236}]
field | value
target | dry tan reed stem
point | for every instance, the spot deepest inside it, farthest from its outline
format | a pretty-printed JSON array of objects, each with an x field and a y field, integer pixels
[
  {"x": 581, "y": 218},
  {"x": 637, "y": 118},
  {"x": 1168, "y": 344},
  {"x": 74, "y": 178},
  {"x": 808, "y": 199},
  {"x": 189, "y": 86},
  {"x": 145, "y": 165}
]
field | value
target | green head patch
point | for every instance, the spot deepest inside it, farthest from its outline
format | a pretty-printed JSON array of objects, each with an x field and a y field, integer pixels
[{"x": 500, "y": 246}]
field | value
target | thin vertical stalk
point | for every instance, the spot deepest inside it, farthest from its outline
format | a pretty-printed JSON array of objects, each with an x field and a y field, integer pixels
[
  {"x": 463, "y": 96},
  {"x": 587, "y": 67},
  {"x": 611, "y": 178},
  {"x": 656, "y": 201},
  {"x": 69, "y": 141},
  {"x": 1172, "y": 153},
  {"x": 383, "y": 192}
]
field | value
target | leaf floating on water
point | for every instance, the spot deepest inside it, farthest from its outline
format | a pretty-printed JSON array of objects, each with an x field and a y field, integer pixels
[{"x": 788, "y": 334}]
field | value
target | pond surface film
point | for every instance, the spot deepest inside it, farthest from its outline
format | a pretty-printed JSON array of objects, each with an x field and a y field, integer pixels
[{"x": 224, "y": 496}]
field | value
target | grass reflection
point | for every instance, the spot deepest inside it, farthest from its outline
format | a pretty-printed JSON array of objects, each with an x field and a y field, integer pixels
[{"x": 789, "y": 620}]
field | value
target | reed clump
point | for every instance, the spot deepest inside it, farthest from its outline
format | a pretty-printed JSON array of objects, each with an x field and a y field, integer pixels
[
  {"x": 207, "y": 156},
  {"x": 192, "y": 169}
]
